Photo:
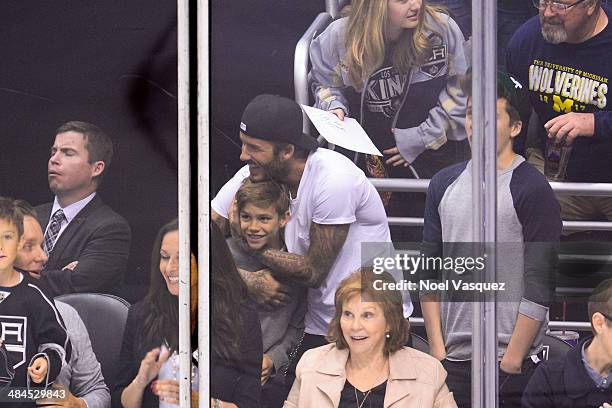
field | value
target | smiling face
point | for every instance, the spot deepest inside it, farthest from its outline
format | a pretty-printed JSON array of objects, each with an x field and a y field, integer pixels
[
  {"x": 9, "y": 245},
  {"x": 264, "y": 163},
  {"x": 568, "y": 26},
  {"x": 403, "y": 14},
  {"x": 169, "y": 261},
  {"x": 363, "y": 326},
  {"x": 261, "y": 227},
  {"x": 31, "y": 257},
  {"x": 70, "y": 174}
]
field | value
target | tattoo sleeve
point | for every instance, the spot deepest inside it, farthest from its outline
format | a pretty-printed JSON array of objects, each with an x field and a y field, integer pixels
[
  {"x": 253, "y": 282},
  {"x": 312, "y": 269}
]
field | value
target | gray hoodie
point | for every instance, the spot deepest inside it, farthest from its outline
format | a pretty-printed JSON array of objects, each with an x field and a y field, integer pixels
[{"x": 441, "y": 120}]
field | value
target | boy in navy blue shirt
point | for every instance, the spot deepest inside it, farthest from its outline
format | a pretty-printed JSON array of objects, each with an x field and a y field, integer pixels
[
  {"x": 528, "y": 228},
  {"x": 31, "y": 328},
  {"x": 562, "y": 57}
]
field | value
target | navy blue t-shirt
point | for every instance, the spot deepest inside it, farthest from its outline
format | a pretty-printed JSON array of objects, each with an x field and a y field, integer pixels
[{"x": 567, "y": 78}]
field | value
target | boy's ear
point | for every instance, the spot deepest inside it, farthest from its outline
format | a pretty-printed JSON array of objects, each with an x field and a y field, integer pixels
[
  {"x": 284, "y": 219},
  {"x": 515, "y": 128}
]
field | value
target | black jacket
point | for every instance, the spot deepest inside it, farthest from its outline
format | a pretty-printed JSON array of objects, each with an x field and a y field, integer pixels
[
  {"x": 31, "y": 327},
  {"x": 564, "y": 383},
  {"x": 99, "y": 239}
]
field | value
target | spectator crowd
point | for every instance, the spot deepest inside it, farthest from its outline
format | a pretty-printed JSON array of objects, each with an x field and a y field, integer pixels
[{"x": 298, "y": 318}]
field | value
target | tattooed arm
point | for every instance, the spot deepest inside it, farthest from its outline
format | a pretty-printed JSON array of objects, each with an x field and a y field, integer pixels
[
  {"x": 264, "y": 289},
  {"x": 312, "y": 269}
]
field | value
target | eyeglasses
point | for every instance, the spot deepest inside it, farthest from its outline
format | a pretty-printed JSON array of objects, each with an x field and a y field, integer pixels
[
  {"x": 606, "y": 316},
  {"x": 555, "y": 6}
]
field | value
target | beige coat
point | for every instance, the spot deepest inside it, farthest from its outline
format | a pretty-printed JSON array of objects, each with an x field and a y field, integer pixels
[{"x": 416, "y": 380}]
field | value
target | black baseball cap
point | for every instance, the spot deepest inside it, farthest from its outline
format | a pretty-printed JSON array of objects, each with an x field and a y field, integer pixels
[{"x": 276, "y": 119}]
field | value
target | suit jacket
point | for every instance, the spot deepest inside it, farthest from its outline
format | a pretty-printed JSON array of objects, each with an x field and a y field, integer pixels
[
  {"x": 99, "y": 239},
  {"x": 416, "y": 380}
]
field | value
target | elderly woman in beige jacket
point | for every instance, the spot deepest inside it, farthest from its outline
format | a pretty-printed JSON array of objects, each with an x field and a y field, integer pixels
[{"x": 366, "y": 364}]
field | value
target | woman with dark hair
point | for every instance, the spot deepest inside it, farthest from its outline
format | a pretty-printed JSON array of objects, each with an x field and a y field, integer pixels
[
  {"x": 236, "y": 344},
  {"x": 366, "y": 364},
  {"x": 150, "y": 341}
]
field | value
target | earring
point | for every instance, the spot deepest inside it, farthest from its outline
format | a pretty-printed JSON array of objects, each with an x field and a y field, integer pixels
[{"x": 388, "y": 335}]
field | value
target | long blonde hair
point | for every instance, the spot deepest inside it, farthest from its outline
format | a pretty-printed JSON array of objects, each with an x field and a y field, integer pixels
[{"x": 365, "y": 40}]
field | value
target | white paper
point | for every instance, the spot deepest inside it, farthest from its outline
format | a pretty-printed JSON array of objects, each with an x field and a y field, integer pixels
[{"x": 348, "y": 133}]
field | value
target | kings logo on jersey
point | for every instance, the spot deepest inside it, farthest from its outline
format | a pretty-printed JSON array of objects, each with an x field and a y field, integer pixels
[
  {"x": 13, "y": 334},
  {"x": 436, "y": 63}
]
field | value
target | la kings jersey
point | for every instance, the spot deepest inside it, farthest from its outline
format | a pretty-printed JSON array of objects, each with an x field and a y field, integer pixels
[{"x": 31, "y": 327}]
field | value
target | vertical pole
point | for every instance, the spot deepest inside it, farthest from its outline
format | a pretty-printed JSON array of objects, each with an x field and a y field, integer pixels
[
  {"x": 184, "y": 203},
  {"x": 331, "y": 6},
  {"x": 203, "y": 203},
  {"x": 484, "y": 187}
]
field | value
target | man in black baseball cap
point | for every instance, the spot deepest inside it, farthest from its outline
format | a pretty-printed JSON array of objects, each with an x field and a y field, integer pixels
[
  {"x": 271, "y": 135},
  {"x": 333, "y": 206}
]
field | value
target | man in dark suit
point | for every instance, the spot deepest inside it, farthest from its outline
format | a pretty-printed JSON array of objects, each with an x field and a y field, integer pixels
[{"x": 86, "y": 241}]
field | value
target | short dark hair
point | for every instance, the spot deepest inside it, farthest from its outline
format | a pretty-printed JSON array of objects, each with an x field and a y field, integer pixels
[
  {"x": 10, "y": 214},
  {"x": 298, "y": 151},
  {"x": 600, "y": 301},
  {"x": 263, "y": 194},
  {"x": 361, "y": 283},
  {"x": 98, "y": 144},
  {"x": 502, "y": 93}
]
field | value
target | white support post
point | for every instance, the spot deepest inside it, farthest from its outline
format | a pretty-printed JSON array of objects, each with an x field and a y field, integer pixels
[
  {"x": 203, "y": 19},
  {"x": 484, "y": 190},
  {"x": 332, "y": 7},
  {"x": 184, "y": 183}
]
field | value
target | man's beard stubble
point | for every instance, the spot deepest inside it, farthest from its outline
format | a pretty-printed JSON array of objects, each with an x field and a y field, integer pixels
[
  {"x": 553, "y": 33},
  {"x": 276, "y": 170}
]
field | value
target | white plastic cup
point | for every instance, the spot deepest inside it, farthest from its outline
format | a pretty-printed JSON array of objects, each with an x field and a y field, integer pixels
[{"x": 569, "y": 337}]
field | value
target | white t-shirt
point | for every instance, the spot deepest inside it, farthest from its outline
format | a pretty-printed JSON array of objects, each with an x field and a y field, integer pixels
[{"x": 332, "y": 190}]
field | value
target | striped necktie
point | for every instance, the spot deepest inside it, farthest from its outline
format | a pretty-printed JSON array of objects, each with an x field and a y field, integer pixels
[{"x": 55, "y": 225}]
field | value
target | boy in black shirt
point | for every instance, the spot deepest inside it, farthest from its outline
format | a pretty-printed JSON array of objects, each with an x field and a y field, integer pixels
[{"x": 30, "y": 326}]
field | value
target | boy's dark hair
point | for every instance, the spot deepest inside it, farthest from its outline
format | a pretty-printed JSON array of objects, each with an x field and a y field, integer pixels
[
  {"x": 508, "y": 88},
  {"x": 263, "y": 195},
  {"x": 600, "y": 301},
  {"x": 10, "y": 214},
  {"x": 98, "y": 144}
]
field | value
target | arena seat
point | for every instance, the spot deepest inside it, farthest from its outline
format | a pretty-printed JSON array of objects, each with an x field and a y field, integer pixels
[
  {"x": 419, "y": 343},
  {"x": 104, "y": 317},
  {"x": 554, "y": 347}
]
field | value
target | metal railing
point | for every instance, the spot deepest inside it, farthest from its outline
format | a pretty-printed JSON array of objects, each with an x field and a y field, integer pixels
[
  {"x": 553, "y": 325},
  {"x": 580, "y": 189},
  {"x": 301, "y": 62},
  {"x": 333, "y": 7}
]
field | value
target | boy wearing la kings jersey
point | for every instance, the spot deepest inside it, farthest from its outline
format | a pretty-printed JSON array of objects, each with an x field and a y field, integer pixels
[{"x": 30, "y": 325}]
